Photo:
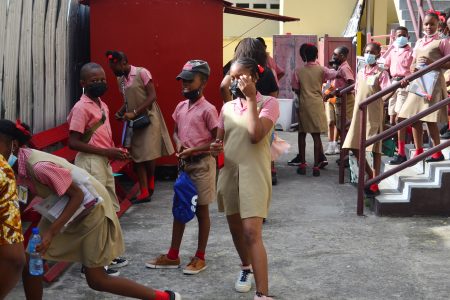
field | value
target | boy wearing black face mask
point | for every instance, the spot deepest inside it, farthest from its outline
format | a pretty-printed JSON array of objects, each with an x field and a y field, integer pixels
[
  {"x": 196, "y": 122},
  {"x": 90, "y": 134}
]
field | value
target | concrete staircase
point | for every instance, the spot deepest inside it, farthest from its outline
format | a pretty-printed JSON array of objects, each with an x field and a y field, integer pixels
[
  {"x": 423, "y": 189},
  {"x": 405, "y": 19}
]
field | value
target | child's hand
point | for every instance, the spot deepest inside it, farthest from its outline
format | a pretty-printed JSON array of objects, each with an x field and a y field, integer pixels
[
  {"x": 216, "y": 147},
  {"x": 404, "y": 83},
  {"x": 45, "y": 243},
  {"x": 247, "y": 86},
  {"x": 423, "y": 60},
  {"x": 129, "y": 116},
  {"x": 185, "y": 153},
  {"x": 116, "y": 153},
  {"x": 179, "y": 147}
]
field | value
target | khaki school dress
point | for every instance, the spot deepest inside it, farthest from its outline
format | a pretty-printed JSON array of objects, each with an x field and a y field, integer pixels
[
  {"x": 153, "y": 141},
  {"x": 244, "y": 185},
  {"x": 94, "y": 240},
  {"x": 312, "y": 117},
  {"x": 415, "y": 104},
  {"x": 375, "y": 112}
]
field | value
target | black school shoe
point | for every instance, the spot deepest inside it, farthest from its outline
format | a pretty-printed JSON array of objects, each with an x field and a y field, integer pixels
[
  {"x": 432, "y": 159},
  {"x": 323, "y": 162},
  {"x": 398, "y": 159},
  {"x": 295, "y": 161}
]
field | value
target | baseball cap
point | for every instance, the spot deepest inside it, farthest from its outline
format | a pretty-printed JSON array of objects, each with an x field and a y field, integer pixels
[{"x": 192, "y": 67}]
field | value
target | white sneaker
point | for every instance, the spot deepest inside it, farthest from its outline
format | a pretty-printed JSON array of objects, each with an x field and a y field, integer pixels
[
  {"x": 244, "y": 282},
  {"x": 337, "y": 150},
  {"x": 331, "y": 148}
]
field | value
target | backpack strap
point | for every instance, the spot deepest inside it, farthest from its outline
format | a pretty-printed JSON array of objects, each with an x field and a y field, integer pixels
[{"x": 87, "y": 135}]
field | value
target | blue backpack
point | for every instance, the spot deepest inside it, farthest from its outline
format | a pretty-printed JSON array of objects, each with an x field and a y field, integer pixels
[{"x": 184, "y": 199}]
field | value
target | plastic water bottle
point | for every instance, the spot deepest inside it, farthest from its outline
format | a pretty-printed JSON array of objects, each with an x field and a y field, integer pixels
[{"x": 36, "y": 266}]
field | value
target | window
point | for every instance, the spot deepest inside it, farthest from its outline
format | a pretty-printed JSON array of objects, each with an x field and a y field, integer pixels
[
  {"x": 274, "y": 6},
  {"x": 260, "y": 5},
  {"x": 243, "y": 5}
]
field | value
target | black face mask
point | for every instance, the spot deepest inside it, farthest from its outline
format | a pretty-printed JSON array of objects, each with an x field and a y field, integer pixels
[
  {"x": 236, "y": 91},
  {"x": 192, "y": 95},
  {"x": 119, "y": 73},
  {"x": 96, "y": 89}
]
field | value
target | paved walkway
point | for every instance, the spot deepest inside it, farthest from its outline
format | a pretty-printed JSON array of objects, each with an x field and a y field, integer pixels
[{"x": 318, "y": 248}]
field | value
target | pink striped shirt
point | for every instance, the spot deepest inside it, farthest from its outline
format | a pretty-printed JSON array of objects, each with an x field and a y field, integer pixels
[
  {"x": 56, "y": 178},
  {"x": 85, "y": 114},
  {"x": 269, "y": 110},
  {"x": 196, "y": 122},
  {"x": 328, "y": 74},
  {"x": 145, "y": 76},
  {"x": 399, "y": 61}
]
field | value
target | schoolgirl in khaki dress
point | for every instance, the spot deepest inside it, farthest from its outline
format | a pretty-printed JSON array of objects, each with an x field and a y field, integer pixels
[
  {"x": 94, "y": 240},
  {"x": 370, "y": 80},
  {"x": 307, "y": 83},
  {"x": 244, "y": 185},
  {"x": 148, "y": 143},
  {"x": 427, "y": 50}
]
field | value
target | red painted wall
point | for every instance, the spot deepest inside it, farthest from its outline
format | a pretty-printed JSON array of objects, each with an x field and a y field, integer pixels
[{"x": 161, "y": 36}]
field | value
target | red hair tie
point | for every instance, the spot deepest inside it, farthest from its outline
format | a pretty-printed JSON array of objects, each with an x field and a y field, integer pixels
[
  {"x": 377, "y": 43},
  {"x": 21, "y": 128},
  {"x": 260, "y": 69},
  {"x": 110, "y": 56},
  {"x": 438, "y": 13},
  {"x": 442, "y": 18},
  {"x": 310, "y": 45}
]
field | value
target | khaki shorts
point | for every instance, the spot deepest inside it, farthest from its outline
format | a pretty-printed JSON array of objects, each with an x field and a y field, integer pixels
[
  {"x": 330, "y": 111},
  {"x": 203, "y": 175},
  {"x": 99, "y": 167},
  {"x": 396, "y": 101}
]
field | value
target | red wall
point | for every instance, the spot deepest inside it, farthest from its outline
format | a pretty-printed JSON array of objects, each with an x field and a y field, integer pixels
[{"x": 161, "y": 36}]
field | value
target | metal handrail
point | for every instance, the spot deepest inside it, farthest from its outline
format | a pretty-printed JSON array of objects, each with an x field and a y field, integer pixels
[
  {"x": 419, "y": 4},
  {"x": 430, "y": 5},
  {"x": 363, "y": 128},
  {"x": 413, "y": 18}
]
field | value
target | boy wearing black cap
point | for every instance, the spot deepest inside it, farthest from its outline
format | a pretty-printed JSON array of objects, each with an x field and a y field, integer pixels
[{"x": 196, "y": 122}]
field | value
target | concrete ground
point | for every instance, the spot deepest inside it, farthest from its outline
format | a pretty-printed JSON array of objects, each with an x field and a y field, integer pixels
[{"x": 317, "y": 247}]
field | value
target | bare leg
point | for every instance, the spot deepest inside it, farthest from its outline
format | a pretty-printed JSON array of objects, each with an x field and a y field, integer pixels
[
  {"x": 150, "y": 166},
  {"x": 302, "y": 146},
  {"x": 204, "y": 224},
  {"x": 433, "y": 129},
  {"x": 98, "y": 280},
  {"x": 32, "y": 285},
  {"x": 253, "y": 240},
  {"x": 237, "y": 232},
  {"x": 12, "y": 260},
  {"x": 317, "y": 147},
  {"x": 376, "y": 164},
  {"x": 177, "y": 234},
  {"x": 331, "y": 131},
  {"x": 141, "y": 171},
  {"x": 417, "y": 130}
]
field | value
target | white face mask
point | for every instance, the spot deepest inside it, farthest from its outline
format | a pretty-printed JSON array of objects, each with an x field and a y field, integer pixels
[
  {"x": 370, "y": 59},
  {"x": 401, "y": 41}
]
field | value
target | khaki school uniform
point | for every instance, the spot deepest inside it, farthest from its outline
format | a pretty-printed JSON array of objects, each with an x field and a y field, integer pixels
[
  {"x": 244, "y": 185},
  {"x": 368, "y": 85},
  {"x": 153, "y": 141},
  {"x": 312, "y": 118},
  {"x": 415, "y": 104},
  {"x": 96, "y": 239}
]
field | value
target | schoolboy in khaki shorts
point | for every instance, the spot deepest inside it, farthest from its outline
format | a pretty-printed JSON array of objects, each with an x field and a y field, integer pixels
[{"x": 196, "y": 122}]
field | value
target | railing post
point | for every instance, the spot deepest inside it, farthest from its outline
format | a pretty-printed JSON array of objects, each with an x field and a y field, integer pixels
[
  {"x": 361, "y": 160},
  {"x": 343, "y": 133}
]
